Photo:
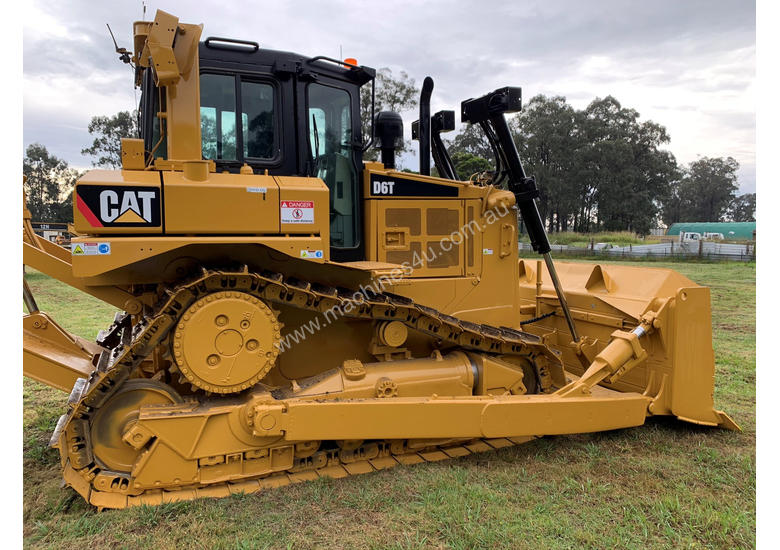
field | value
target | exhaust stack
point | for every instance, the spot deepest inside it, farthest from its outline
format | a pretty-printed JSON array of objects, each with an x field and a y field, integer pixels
[{"x": 425, "y": 126}]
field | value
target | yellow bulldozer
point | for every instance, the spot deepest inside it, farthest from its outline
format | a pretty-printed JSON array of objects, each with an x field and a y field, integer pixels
[{"x": 287, "y": 310}]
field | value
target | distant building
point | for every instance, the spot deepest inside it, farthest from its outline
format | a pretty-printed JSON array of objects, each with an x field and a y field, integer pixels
[
  {"x": 52, "y": 231},
  {"x": 743, "y": 231}
]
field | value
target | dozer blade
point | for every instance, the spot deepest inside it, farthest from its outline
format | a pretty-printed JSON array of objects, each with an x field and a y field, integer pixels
[{"x": 678, "y": 371}]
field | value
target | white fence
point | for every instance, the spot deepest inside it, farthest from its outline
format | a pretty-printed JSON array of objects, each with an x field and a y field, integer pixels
[{"x": 703, "y": 249}]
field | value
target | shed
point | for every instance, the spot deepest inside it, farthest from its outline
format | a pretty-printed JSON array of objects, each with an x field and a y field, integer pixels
[{"x": 731, "y": 230}]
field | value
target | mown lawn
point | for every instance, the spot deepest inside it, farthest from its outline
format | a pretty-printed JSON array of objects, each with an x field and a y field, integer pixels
[
  {"x": 582, "y": 240},
  {"x": 667, "y": 484}
]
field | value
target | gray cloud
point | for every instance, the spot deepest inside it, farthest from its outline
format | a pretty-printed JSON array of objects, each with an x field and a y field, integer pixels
[{"x": 687, "y": 65}]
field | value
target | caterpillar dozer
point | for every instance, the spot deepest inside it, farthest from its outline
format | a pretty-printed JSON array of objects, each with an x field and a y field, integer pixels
[{"x": 287, "y": 310}]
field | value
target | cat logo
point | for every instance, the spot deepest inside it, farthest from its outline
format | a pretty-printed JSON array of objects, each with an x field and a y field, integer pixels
[
  {"x": 119, "y": 206},
  {"x": 135, "y": 207}
]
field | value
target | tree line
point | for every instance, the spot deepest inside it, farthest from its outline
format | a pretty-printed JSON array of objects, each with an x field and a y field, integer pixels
[
  {"x": 601, "y": 168},
  {"x": 597, "y": 168},
  {"x": 49, "y": 180}
]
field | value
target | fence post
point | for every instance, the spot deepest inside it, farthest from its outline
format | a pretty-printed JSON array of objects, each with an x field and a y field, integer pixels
[
  {"x": 671, "y": 251},
  {"x": 701, "y": 247}
]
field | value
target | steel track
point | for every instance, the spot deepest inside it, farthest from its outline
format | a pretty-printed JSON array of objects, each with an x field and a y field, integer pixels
[{"x": 129, "y": 344}]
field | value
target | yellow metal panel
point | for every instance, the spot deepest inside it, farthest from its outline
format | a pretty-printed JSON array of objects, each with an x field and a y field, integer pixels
[
  {"x": 52, "y": 355},
  {"x": 370, "y": 228},
  {"x": 173, "y": 50},
  {"x": 133, "y": 154},
  {"x": 223, "y": 204},
  {"x": 464, "y": 417},
  {"x": 473, "y": 239},
  {"x": 183, "y": 100},
  {"x": 311, "y": 197},
  {"x": 162, "y": 33},
  {"x": 128, "y": 251},
  {"x": 694, "y": 360},
  {"x": 418, "y": 233},
  {"x": 164, "y": 62}
]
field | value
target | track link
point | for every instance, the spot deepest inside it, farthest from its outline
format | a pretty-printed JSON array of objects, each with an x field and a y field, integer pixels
[
  {"x": 307, "y": 470},
  {"x": 132, "y": 343}
]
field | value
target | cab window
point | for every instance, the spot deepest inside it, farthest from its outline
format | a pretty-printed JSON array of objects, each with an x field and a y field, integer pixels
[
  {"x": 218, "y": 116},
  {"x": 257, "y": 119},
  {"x": 155, "y": 142},
  {"x": 330, "y": 146},
  {"x": 224, "y": 135}
]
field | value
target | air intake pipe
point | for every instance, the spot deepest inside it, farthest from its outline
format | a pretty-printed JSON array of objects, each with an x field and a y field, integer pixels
[{"x": 389, "y": 135}]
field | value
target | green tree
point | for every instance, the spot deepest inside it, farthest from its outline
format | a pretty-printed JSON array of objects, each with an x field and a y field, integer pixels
[
  {"x": 472, "y": 140},
  {"x": 709, "y": 186},
  {"x": 706, "y": 192},
  {"x": 108, "y": 132},
  {"x": 48, "y": 185},
  {"x": 622, "y": 160},
  {"x": 391, "y": 94},
  {"x": 547, "y": 140},
  {"x": 743, "y": 208},
  {"x": 674, "y": 204},
  {"x": 596, "y": 168},
  {"x": 209, "y": 138},
  {"x": 466, "y": 165}
]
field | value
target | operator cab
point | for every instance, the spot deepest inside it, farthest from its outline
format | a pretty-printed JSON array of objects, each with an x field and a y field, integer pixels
[{"x": 282, "y": 112}]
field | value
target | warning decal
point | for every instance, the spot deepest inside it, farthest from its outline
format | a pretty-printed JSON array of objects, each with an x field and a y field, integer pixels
[
  {"x": 311, "y": 253},
  {"x": 91, "y": 249},
  {"x": 297, "y": 211}
]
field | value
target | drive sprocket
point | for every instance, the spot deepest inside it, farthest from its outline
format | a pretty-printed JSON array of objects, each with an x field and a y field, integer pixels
[{"x": 226, "y": 341}]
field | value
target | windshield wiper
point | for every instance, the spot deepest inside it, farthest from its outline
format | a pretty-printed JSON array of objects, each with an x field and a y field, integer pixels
[{"x": 316, "y": 156}]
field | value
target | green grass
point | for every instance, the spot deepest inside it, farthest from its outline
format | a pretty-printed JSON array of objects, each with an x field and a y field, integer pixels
[{"x": 667, "y": 484}]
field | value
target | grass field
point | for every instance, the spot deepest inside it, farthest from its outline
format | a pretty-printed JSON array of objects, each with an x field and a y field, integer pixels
[
  {"x": 667, "y": 484},
  {"x": 582, "y": 240}
]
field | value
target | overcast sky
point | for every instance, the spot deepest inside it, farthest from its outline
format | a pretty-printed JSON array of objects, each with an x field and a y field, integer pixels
[{"x": 686, "y": 64}]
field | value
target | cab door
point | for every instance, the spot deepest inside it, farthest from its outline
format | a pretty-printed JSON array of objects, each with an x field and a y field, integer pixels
[{"x": 330, "y": 119}]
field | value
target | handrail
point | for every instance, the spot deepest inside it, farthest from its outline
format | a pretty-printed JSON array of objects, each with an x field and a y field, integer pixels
[{"x": 219, "y": 43}]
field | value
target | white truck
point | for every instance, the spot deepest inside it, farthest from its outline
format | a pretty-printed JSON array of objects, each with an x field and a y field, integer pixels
[{"x": 693, "y": 236}]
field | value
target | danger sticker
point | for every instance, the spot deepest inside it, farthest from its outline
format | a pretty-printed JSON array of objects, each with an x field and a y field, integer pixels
[
  {"x": 297, "y": 211},
  {"x": 91, "y": 249}
]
